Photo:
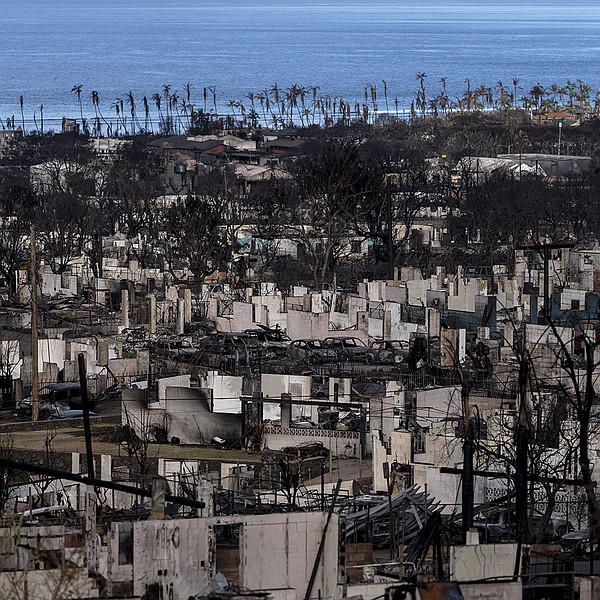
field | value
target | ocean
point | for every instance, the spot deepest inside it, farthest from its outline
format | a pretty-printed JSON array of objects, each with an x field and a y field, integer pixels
[{"x": 237, "y": 47}]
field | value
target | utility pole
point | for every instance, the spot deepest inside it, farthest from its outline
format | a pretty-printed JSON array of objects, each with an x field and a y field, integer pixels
[
  {"x": 559, "y": 135},
  {"x": 544, "y": 252},
  {"x": 86, "y": 415},
  {"x": 468, "y": 452},
  {"x": 521, "y": 463},
  {"x": 390, "y": 233},
  {"x": 35, "y": 401}
]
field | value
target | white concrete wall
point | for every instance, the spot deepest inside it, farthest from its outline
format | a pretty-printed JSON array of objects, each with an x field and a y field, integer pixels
[
  {"x": 89, "y": 351},
  {"x": 505, "y": 590},
  {"x": 242, "y": 316},
  {"x": 299, "y": 386},
  {"x": 417, "y": 291},
  {"x": 189, "y": 418},
  {"x": 340, "y": 320},
  {"x": 339, "y": 443},
  {"x": 375, "y": 290},
  {"x": 466, "y": 290},
  {"x": 437, "y": 404},
  {"x": 51, "y": 351},
  {"x": 276, "y": 552},
  {"x": 484, "y": 561},
  {"x": 226, "y": 392},
  {"x": 268, "y": 311},
  {"x": 175, "y": 381},
  {"x": 400, "y": 451},
  {"x": 402, "y": 331},
  {"x": 396, "y": 292},
  {"x": 541, "y": 335},
  {"x": 302, "y": 325},
  {"x": 376, "y": 328}
]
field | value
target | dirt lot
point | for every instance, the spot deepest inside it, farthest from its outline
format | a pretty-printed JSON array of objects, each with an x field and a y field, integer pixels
[{"x": 67, "y": 436}]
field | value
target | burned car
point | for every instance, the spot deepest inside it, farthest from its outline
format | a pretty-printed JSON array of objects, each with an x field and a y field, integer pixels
[
  {"x": 499, "y": 524},
  {"x": 387, "y": 352},
  {"x": 228, "y": 351},
  {"x": 347, "y": 348},
  {"x": 578, "y": 543},
  {"x": 174, "y": 349},
  {"x": 274, "y": 341},
  {"x": 54, "y": 398},
  {"x": 311, "y": 352}
]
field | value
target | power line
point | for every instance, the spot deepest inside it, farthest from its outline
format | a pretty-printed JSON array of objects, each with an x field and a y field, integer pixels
[{"x": 111, "y": 485}]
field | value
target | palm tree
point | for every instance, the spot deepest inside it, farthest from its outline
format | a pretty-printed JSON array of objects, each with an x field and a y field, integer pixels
[
  {"x": 188, "y": 93},
  {"x": 96, "y": 102},
  {"x": 131, "y": 101},
  {"x": 117, "y": 106},
  {"x": 373, "y": 87},
  {"x": 250, "y": 96},
  {"x": 213, "y": 91},
  {"x": 421, "y": 100},
  {"x": 282, "y": 112},
  {"x": 385, "y": 96},
  {"x": 433, "y": 107},
  {"x": 147, "y": 116},
  {"x": 468, "y": 99},
  {"x": 554, "y": 89},
  {"x": 77, "y": 89},
  {"x": 166, "y": 89},
  {"x": 570, "y": 88},
  {"x": 302, "y": 94},
  {"x": 186, "y": 113},
  {"x": 442, "y": 101},
  {"x": 275, "y": 92},
  {"x": 267, "y": 101},
  {"x": 342, "y": 109},
  {"x": 123, "y": 115},
  {"x": 500, "y": 87},
  {"x": 188, "y": 107},
  {"x": 21, "y": 101},
  {"x": 314, "y": 89},
  {"x": 562, "y": 92},
  {"x": 537, "y": 92},
  {"x": 174, "y": 104},
  {"x": 504, "y": 99},
  {"x": 35, "y": 122},
  {"x": 487, "y": 94},
  {"x": 232, "y": 105},
  {"x": 261, "y": 100},
  {"x": 158, "y": 100},
  {"x": 515, "y": 82},
  {"x": 584, "y": 91},
  {"x": 294, "y": 92}
]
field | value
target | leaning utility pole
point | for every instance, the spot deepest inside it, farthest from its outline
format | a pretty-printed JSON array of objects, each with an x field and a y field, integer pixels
[
  {"x": 521, "y": 463},
  {"x": 35, "y": 403},
  {"x": 468, "y": 487}
]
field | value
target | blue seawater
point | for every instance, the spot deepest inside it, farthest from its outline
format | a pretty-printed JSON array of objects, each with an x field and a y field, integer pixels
[{"x": 242, "y": 46}]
